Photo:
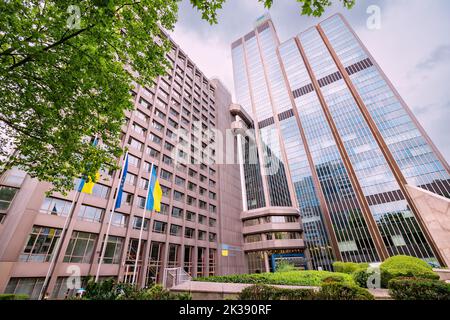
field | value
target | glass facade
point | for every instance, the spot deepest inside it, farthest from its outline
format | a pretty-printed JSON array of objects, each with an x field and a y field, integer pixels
[{"x": 335, "y": 111}]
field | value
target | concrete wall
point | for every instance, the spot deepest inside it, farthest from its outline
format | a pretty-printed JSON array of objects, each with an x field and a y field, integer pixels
[
  {"x": 230, "y": 196},
  {"x": 435, "y": 213}
]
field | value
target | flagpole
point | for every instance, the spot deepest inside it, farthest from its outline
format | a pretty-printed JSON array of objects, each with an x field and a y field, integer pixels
[
  {"x": 102, "y": 256},
  {"x": 142, "y": 225},
  {"x": 63, "y": 233},
  {"x": 59, "y": 244}
]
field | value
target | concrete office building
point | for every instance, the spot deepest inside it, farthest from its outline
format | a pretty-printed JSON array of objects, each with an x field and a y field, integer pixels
[
  {"x": 354, "y": 161},
  {"x": 201, "y": 202}
]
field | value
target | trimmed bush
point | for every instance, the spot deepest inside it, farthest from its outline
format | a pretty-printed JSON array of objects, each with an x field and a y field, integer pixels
[
  {"x": 361, "y": 276},
  {"x": 265, "y": 292},
  {"x": 418, "y": 289},
  {"x": 293, "y": 278},
  {"x": 342, "y": 291},
  {"x": 405, "y": 266},
  {"x": 11, "y": 296},
  {"x": 285, "y": 266},
  {"x": 349, "y": 267}
]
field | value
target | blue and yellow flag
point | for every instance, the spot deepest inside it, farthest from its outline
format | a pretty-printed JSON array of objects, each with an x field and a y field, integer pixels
[
  {"x": 87, "y": 186},
  {"x": 154, "y": 193}
]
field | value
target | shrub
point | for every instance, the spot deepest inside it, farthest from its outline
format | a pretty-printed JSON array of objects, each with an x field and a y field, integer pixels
[
  {"x": 11, "y": 296},
  {"x": 405, "y": 266},
  {"x": 349, "y": 267},
  {"x": 294, "y": 278},
  {"x": 361, "y": 277},
  {"x": 418, "y": 289},
  {"x": 285, "y": 266},
  {"x": 265, "y": 292},
  {"x": 342, "y": 291}
]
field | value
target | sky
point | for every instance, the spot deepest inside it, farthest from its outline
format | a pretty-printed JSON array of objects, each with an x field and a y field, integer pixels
[{"x": 412, "y": 47}]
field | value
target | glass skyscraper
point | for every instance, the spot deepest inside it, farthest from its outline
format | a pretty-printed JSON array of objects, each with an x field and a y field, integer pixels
[{"x": 345, "y": 147}]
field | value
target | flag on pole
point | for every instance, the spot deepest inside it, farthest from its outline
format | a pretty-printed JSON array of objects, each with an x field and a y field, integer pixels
[
  {"x": 122, "y": 182},
  {"x": 86, "y": 186},
  {"x": 154, "y": 193}
]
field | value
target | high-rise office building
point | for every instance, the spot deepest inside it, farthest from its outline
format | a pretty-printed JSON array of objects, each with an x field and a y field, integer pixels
[
  {"x": 200, "y": 210},
  {"x": 350, "y": 154}
]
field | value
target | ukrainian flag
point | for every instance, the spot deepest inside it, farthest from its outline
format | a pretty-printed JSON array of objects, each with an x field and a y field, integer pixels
[
  {"x": 154, "y": 193},
  {"x": 87, "y": 186}
]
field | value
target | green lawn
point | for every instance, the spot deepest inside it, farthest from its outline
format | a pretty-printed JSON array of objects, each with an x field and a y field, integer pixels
[{"x": 295, "y": 278}]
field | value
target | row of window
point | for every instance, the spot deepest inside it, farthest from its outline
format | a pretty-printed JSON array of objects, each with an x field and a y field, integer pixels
[
  {"x": 42, "y": 241},
  {"x": 62, "y": 208}
]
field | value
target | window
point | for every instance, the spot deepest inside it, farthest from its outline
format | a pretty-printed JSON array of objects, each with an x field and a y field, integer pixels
[
  {"x": 212, "y": 208},
  {"x": 212, "y": 222},
  {"x": 212, "y": 237},
  {"x": 40, "y": 244},
  {"x": 191, "y": 201},
  {"x": 140, "y": 202},
  {"x": 119, "y": 220},
  {"x": 192, "y": 186},
  {"x": 155, "y": 138},
  {"x": 202, "y": 204},
  {"x": 179, "y": 196},
  {"x": 202, "y": 178},
  {"x": 100, "y": 191},
  {"x": 165, "y": 191},
  {"x": 137, "y": 223},
  {"x": 91, "y": 214},
  {"x": 113, "y": 250},
  {"x": 142, "y": 116},
  {"x": 189, "y": 233},
  {"x": 173, "y": 123},
  {"x": 175, "y": 230},
  {"x": 139, "y": 129},
  {"x": 169, "y": 146},
  {"x": 14, "y": 177},
  {"x": 201, "y": 235},
  {"x": 127, "y": 199},
  {"x": 252, "y": 238},
  {"x": 201, "y": 219},
  {"x": 144, "y": 102},
  {"x": 143, "y": 183},
  {"x": 29, "y": 286},
  {"x": 131, "y": 179},
  {"x": 134, "y": 161},
  {"x": 167, "y": 160},
  {"x": 56, "y": 207},
  {"x": 159, "y": 114},
  {"x": 171, "y": 135},
  {"x": 192, "y": 173},
  {"x": 152, "y": 153},
  {"x": 164, "y": 208},
  {"x": 159, "y": 227},
  {"x": 179, "y": 181},
  {"x": 135, "y": 144},
  {"x": 202, "y": 191},
  {"x": 190, "y": 216},
  {"x": 212, "y": 183},
  {"x": 81, "y": 247},
  {"x": 158, "y": 126},
  {"x": 212, "y": 195},
  {"x": 166, "y": 175},
  {"x": 177, "y": 212}
]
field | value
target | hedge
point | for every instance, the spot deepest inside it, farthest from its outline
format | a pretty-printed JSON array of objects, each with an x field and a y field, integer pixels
[
  {"x": 294, "y": 278},
  {"x": 11, "y": 296},
  {"x": 418, "y": 289},
  {"x": 343, "y": 291},
  {"x": 328, "y": 291},
  {"x": 265, "y": 292},
  {"x": 349, "y": 267},
  {"x": 405, "y": 266}
]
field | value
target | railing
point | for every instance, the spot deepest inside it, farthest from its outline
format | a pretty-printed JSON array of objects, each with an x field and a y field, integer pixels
[{"x": 174, "y": 276}]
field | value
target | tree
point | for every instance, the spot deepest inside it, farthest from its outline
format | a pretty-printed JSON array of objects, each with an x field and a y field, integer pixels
[{"x": 65, "y": 74}]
